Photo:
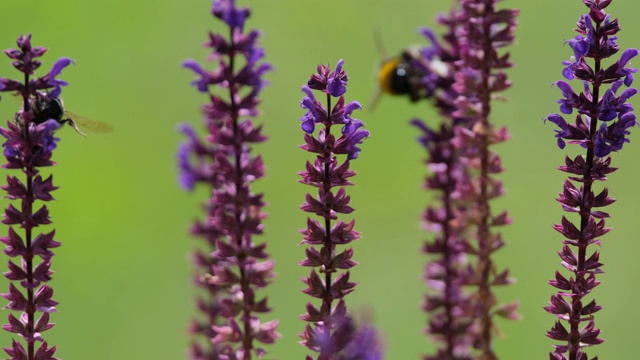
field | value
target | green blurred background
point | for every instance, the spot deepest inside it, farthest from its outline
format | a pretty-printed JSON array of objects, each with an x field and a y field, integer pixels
[{"x": 123, "y": 273}]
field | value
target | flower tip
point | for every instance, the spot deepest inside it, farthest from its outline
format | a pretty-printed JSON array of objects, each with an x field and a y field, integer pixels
[
  {"x": 56, "y": 69},
  {"x": 627, "y": 55},
  {"x": 351, "y": 106},
  {"x": 56, "y": 92},
  {"x": 556, "y": 119},
  {"x": 191, "y": 64},
  {"x": 60, "y": 64},
  {"x": 307, "y": 90},
  {"x": 51, "y": 125},
  {"x": 186, "y": 129},
  {"x": 194, "y": 66},
  {"x": 308, "y": 126},
  {"x": 186, "y": 182},
  {"x": 24, "y": 41},
  {"x": 429, "y": 34}
]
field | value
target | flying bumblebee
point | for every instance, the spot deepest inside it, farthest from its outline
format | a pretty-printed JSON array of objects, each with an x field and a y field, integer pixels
[
  {"x": 400, "y": 75},
  {"x": 45, "y": 107},
  {"x": 405, "y": 74}
]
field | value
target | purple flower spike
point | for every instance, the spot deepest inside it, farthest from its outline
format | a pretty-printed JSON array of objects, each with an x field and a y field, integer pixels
[
  {"x": 483, "y": 32},
  {"x": 232, "y": 268},
  {"x": 450, "y": 321},
  {"x": 329, "y": 331},
  {"x": 461, "y": 274},
  {"x": 576, "y": 330},
  {"x": 29, "y": 144}
]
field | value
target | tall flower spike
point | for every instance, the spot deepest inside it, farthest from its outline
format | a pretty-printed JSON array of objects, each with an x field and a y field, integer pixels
[
  {"x": 29, "y": 145},
  {"x": 483, "y": 32},
  {"x": 326, "y": 332},
  {"x": 451, "y": 318},
  {"x": 596, "y": 43},
  {"x": 233, "y": 267}
]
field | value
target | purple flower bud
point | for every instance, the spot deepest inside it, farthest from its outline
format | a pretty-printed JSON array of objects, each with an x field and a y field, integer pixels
[{"x": 227, "y": 11}]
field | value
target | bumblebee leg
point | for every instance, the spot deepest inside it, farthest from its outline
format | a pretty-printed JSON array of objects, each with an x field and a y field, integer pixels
[
  {"x": 17, "y": 119},
  {"x": 73, "y": 125}
]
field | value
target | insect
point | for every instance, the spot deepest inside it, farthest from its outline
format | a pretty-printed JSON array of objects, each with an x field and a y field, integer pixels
[
  {"x": 405, "y": 74},
  {"x": 402, "y": 75},
  {"x": 47, "y": 107}
]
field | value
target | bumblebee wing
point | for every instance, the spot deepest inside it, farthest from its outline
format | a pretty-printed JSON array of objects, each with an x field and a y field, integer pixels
[
  {"x": 89, "y": 125},
  {"x": 377, "y": 36},
  {"x": 375, "y": 99}
]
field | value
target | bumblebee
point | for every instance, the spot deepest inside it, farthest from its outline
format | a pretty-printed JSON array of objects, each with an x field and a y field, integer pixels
[
  {"x": 45, "y": 107},
  {"x": 401, "y": 75},
  {"x": 406, "y": 74}
]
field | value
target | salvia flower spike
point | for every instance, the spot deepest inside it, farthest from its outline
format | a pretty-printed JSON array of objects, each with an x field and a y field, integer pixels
[
  {"x": 600, "y": 126},
  {"x": 326, "y": 332},
  {"x": 451, "y": 319},
  {"x": 29, "y": 144},
  {"x": 485, "y": 32},
  {"x": 233, "y": 267},
  {"x": 464, "y": 167}
]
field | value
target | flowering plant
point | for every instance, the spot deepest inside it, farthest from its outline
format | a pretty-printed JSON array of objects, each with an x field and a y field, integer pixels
[
  {"x": 329, "y": 331},
  {"x": 29, "y": 146},
  {"x": 601, "y": 126},
  {"x": 234, "y": 267}
]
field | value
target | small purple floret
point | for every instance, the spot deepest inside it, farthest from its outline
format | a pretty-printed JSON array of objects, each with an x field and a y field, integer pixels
[{"x": 337, "y": 82}]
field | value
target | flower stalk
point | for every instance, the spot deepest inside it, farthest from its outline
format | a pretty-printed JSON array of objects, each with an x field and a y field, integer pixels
[
  {"x": 29, "y": 146},
  {"x": 326, "y": 332},
  {"x": 233, "y": 267},
  {"x": 451, "y": 321},
  {"x": 601, "y": 127},
  {"x": 485, "y": 31},
  {"x": 461, "y": 74}
]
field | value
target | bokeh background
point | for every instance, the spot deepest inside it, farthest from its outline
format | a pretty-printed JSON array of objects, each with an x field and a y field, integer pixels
[{"x": 123, "y": 276}]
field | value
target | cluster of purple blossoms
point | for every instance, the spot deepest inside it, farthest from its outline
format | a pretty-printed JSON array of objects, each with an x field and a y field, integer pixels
[
  {"x": 596, "y": 41},
  {"x": 451, "y": 323},
  {"x": 29, "y": 145},
  {"x": 233, "y": 267},
  {"x": 484, "y": 31},
  {"x": 331, "y": 329},
  {"x": 463, "y": 169}
]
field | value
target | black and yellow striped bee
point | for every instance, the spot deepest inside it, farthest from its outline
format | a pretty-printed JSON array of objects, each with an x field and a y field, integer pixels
[
  {"x": 409, "y": 74},
  {"x": 400, "y": 75}
]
